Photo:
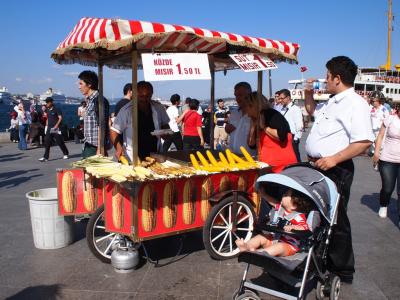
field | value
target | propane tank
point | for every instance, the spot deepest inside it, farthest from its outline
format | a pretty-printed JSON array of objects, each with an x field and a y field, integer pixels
[{"x": 124, "y": 260}]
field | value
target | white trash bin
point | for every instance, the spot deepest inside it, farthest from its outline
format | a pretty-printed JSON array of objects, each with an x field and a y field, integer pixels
[{"x": 50, "y": 231}]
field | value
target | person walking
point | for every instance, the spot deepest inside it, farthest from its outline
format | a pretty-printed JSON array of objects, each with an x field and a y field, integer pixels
[
  {"x": 88, "y": 85},
  {"x": 220, "y": 119},
  {"x": 378, "y": 114},
  {"x": 53, "y": 132},
  {"x": 342, "y": 130},
  {"x": 173, "y": 115},
  {"x": 294, "y": 116},
  {"x": 192, "y": 131},
  {"x": 388, "y": 160},
  {"x": 23, "y": 125},
  {"x": 13, "y": 127}
]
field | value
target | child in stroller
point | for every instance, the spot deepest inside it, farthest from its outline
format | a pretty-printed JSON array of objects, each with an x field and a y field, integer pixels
[{"x": 291, "y": 215}]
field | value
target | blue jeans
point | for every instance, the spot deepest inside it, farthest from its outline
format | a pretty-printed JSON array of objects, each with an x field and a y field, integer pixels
[
  {"x": 22, "y": 137},
  {"x": 390, "y": 172}
]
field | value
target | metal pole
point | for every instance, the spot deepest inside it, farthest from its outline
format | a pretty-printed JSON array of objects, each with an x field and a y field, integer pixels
[
  {"x": 101, "y": 110},
  {"x": 269, "y": 84},
  {"x": 259, "y": 106},
  {"x": 212, "y": 101},
  {"x": 135, "y": 157}
]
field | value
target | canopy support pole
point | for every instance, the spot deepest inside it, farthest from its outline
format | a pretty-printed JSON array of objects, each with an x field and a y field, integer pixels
[
  {"x": 101, "y": 110},
  {"x": 259, "y": 107},
  {"x": 135, "y": 152},
  {"x": 269, "y": 84},
  {"x": 212, "y": 100}
]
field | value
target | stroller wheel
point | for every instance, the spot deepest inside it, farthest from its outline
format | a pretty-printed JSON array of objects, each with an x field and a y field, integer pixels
[
  {"x": 335, "y": 288},
  {"x": 320, "y": 291},
  {"x": 247, "y": 295}
]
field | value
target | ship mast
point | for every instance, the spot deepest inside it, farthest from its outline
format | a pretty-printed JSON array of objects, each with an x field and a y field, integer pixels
[{"x": 387, "y": 66}]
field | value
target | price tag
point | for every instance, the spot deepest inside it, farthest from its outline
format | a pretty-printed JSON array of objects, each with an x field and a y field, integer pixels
[
  {"x": 175, "y": 66},
  {"x": 252, "y": 62}
]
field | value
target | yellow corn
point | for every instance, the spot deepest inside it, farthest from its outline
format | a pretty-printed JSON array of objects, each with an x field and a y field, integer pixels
[
  {"x": 90, "y": 194},
  {"x": 123, "y": 160},
  {"x": 238, "y": 159},
  {"x": 194, "y": 161},
  {"x": 68, "y": 192},
  {"x": 169, "y": 207},
  {"x": 230, "y": 158},
  {"x": 188, "y": 212},
  {"x": 206, "y": 191},
  {"x": 203, "y": 160},
  {"x": 247, "y": 155},
  {"x": 212, "y": 158},
  {"x": 213, "y": 169},
  {"x": 117, "y": 210},
  {"x": 147, "y": 208},
  {"x": 223, "y": 159}
]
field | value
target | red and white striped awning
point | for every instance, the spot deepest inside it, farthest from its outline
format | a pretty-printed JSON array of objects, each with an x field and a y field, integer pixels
[{"x": 93, "y": 39}]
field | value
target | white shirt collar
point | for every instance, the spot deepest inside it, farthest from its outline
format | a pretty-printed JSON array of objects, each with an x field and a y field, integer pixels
[{"x": 339, "y": 97}]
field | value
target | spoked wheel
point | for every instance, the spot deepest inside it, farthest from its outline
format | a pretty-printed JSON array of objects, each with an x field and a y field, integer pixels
[
  {"x": 335, "y": 288},
  {"x": 219, "y": 236},
  {"x": 100, "y": 242},
  {"x": 320, "y": 291}
]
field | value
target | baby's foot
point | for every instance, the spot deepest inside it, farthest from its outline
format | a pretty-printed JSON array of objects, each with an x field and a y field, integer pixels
[{"x": 241, "y": 245}]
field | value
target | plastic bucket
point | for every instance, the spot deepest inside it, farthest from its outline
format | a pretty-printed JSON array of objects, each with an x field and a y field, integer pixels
[{"x": 50, "y": 231}]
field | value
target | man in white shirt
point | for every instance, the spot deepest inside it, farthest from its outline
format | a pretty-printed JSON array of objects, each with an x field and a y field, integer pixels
[
  {"x": 277, "y": 101},
  {"x": 342, "y": 130},
  {"x": 238, "y": 127},
  {"x": 294, "y": 116},
  {"x": 173, "y": 114},
  {"x": 378, "y": 111}
]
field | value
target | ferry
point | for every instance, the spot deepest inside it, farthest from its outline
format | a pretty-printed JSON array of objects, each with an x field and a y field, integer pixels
[
  {"x": 58, "y": 97},
  {"x": 5, "y": 96}
]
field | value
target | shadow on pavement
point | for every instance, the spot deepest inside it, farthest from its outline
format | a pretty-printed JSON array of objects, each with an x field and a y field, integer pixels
[
  {"x": 10, "y": 157},
  {"x": 16, "y": 181},
  {"x": 37, "y": 292},
  {"x": 15, "y": 173},
  {"x": 372, "y": 201}
]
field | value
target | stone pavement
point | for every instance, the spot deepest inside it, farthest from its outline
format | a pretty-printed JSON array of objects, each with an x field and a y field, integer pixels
[{"x": 74, "y": 273}]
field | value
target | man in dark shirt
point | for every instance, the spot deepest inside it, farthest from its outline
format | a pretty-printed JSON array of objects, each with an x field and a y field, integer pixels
[
  {"x": 54, "y": 118},
  {"x": 127, "y": 97}
]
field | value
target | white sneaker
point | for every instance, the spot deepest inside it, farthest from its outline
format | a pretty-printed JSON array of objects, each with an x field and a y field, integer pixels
[
  {"x": 42, "y": 159},
  {"x": 382, "y": 212},
  {"x": 65, "y": 157}
]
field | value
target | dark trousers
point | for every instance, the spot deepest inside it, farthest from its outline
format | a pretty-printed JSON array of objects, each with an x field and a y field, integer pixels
[
  {"x": 48, "y": 141},
  {"x": 14, "y": 134},
  {"x": 175, "y": 138},
  {"x": 88, "y": 150},
  {"x": 340, "y": 252},
  {"x": 191, "y": 142},
  {"x": 390, "y": 172},
  {"x": 295, "y": 144}
]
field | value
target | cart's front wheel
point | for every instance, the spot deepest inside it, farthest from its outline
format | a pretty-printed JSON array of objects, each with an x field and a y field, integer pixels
[
  {"x": 99, "y": 241},
  {"x": 219, "y": 232}
]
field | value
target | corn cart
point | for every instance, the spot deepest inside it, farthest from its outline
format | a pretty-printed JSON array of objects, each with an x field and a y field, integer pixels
[{"x": 223, "y": 203}]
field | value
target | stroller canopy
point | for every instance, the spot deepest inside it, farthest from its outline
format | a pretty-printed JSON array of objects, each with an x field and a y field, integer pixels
[{"x": 319, "y": 188}]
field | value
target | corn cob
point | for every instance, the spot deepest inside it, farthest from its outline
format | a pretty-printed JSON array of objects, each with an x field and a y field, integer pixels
[
  {"x": 212, "y": 158},
  {"x": 194, "y": 161},
  {"x": 147, "y": 208},
  {"x": 68, "y": 192},
  {"x": 230, "y": 158},
  {"x": 117, "y": 209},
  {"x": 169, "y": 205},
  {"x": 223, "y": 159},
  {"x": 247, "y": 155},
  {"x": 90, "y": 194},
  {"x": 224, "y": 184},
  {"x": 206, "y": 191},
  {"x": 123, "y": 160},
  {"x": 203, "y": 160},
  {"x": 242, "y": 184},
  {"x": 188, "y": 212}
]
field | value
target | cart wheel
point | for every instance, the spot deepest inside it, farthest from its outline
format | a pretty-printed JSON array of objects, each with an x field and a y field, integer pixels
[
  {"x": 319, "y": 292},
  {"x": 99, "y": 241},
  {"x": 247, "y": 295},
  {"x": 218, "y": 235},
  {"x": 335, "y": 288}
]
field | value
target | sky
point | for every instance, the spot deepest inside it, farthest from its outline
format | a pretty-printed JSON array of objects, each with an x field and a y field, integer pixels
[{"x": 31, "y": 30}]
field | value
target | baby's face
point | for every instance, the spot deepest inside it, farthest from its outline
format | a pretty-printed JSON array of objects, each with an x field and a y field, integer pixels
[{"x": 287, "y": 203}]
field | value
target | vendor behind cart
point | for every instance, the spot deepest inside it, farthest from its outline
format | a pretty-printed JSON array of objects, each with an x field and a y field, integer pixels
[{"x": 151, "y": 116}]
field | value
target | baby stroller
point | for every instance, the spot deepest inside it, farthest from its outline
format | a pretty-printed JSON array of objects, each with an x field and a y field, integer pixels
[{"x": 292, "y": 277}]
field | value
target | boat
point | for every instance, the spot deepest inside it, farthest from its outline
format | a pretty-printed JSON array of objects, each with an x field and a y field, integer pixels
[
  {"x": 5, "y": 96},
  {"x": 58, "y": 97},
  {"x": 383, "y": 79}
]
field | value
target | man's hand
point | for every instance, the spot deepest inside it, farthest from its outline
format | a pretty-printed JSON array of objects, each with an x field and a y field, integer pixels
[
  {"x": 326, "y": 163},
  {"x": 288, "y": 228},
  {"x": 229, "y": 128},
  {"x": 201, "y": 142}
]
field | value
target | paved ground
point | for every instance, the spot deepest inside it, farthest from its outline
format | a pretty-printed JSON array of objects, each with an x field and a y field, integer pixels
[{"x": 73, "y": 273}]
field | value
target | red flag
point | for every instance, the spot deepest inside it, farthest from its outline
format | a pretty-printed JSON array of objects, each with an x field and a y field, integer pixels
[{"x": 303, "y": 69}]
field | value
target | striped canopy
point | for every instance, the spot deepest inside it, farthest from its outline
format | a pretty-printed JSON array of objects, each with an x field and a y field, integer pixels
[{"x": 93, "y": 40}]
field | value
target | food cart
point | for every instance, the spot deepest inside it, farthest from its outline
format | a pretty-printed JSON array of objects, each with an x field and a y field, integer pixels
[{"x": 123, "y": 214}]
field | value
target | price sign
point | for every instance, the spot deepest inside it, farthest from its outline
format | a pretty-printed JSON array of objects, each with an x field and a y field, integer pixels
[
  {"x": 175, "y": 66},
  {"x": 251, "y": 62}
]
